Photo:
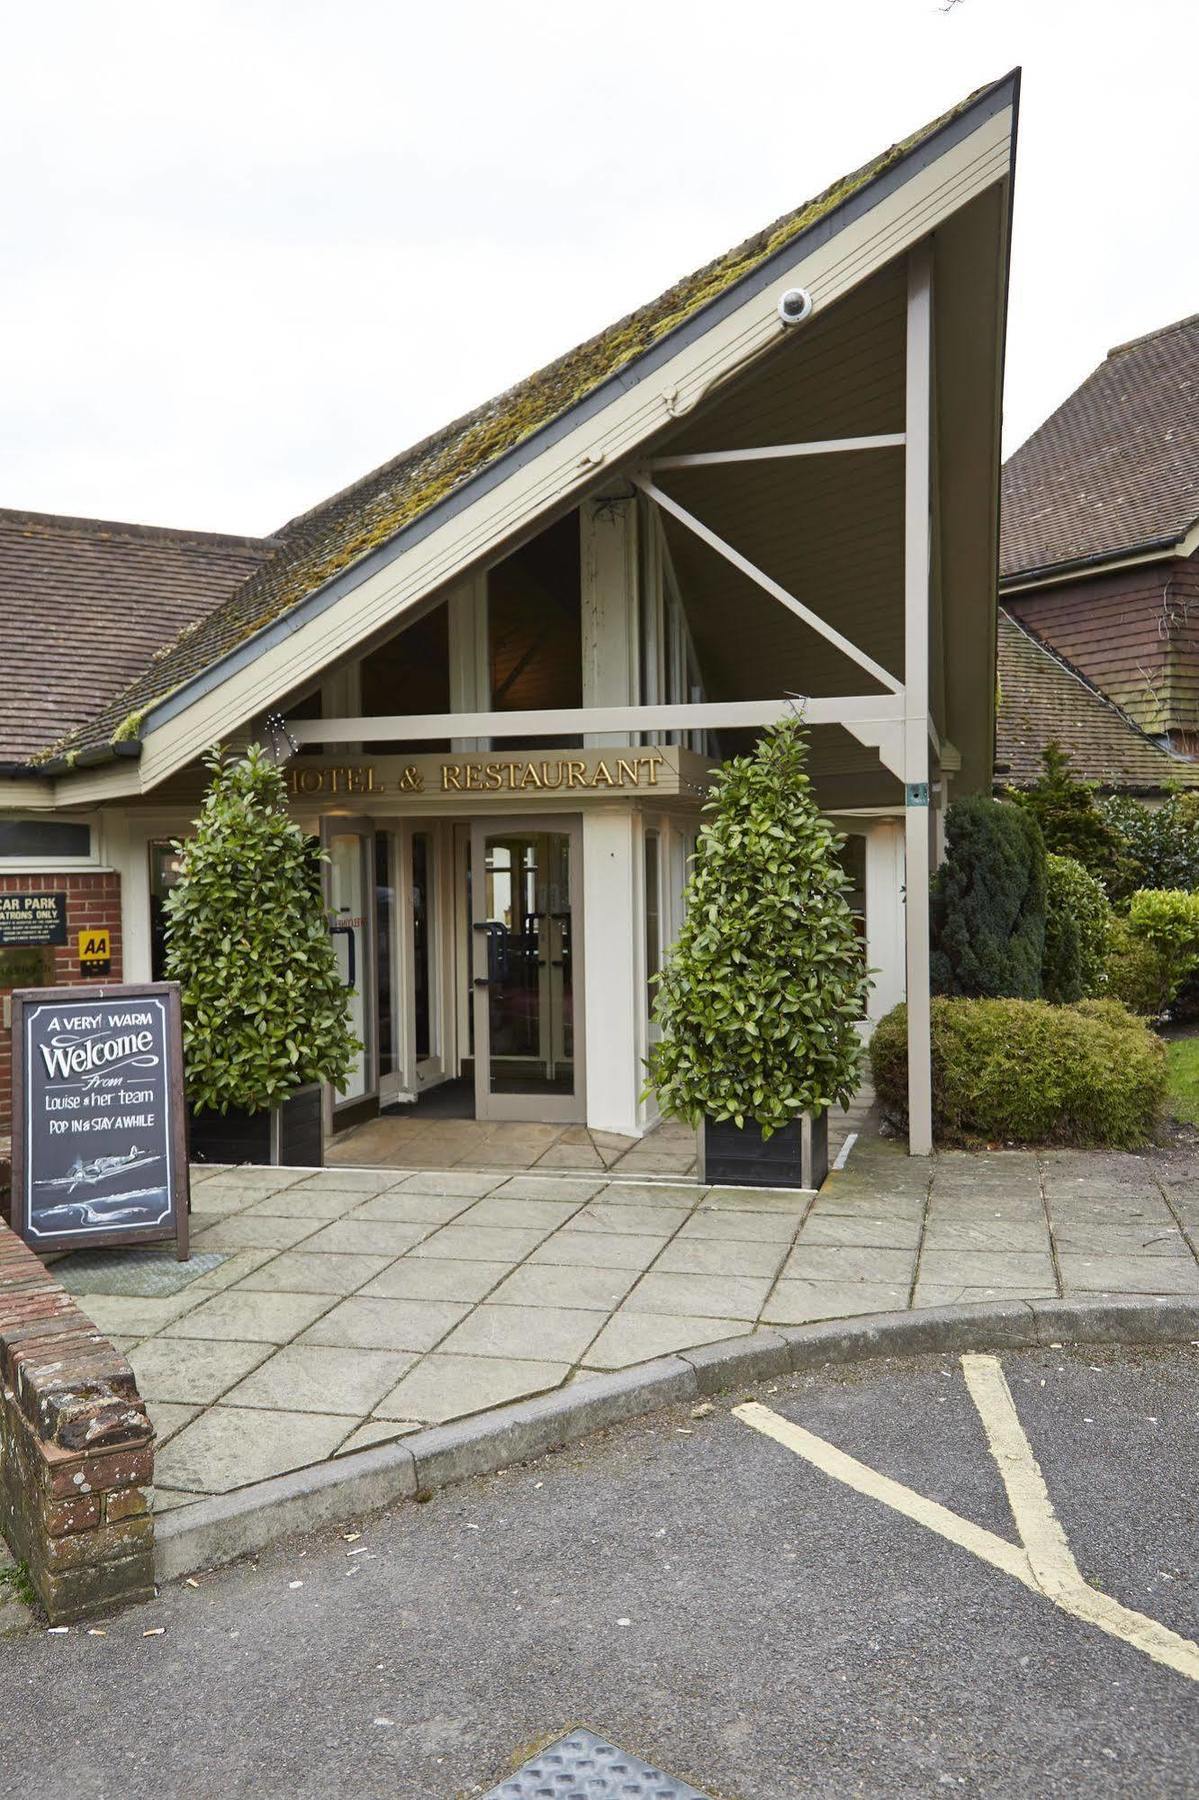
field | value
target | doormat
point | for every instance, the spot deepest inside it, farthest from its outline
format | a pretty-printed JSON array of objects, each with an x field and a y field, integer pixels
[
  {"x": 145, "y": 1272},
  {"x": 585, "y": 1767}
]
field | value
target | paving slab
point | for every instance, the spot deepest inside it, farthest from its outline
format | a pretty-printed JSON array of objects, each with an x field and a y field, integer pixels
[
  {"x": 793, "y": 1202},
  {"x": 854, "y": 1230},
  {"x": 631, "y": 1337},
  {"x": 403, "y": 1206},
  {"x": 1148, "y": 1238},
  {"x": 377, "y": 1431},
  {"x": 305, "y": 1202},
  {"x": 930, "y": 1294},
  {"x": 700, "y": 1296},
  {"x": 542, "y": 1284},
  {"x": 250, "y": 1317},
  {"x": 982, "y": 1268},
  {"x": 453, "y": 1181},
  {"x": 436, "y": 1278},
  {"x": 449, "y": 1387},
  {"x": 231, "y": 1446},
  {"x": 946, "y": 1233},
  {"x": 1129, "y": 1274},
  {"x": 826, "y": 1262},
  {"x": 367, "y": 1236},
  {"x": 357, "y": 1181},
  {"x": 741, "y": 1227},
  {"x": 868, "y": 1203},
  {"x": 254, "y": 1231},
  {"x": 653, "y": 1221},
  {"x": 802, "y": 1302},
  {"x": 538, "y": 1333},
  {"x": 304, "y": 1272},
  {"x": 171, "y": 1370},
  {"x": 168, "y": 1417},
  {"x": 479, "y": 1243},
  {"x": 377, "y": 1324},
  {"x": 322, "y": 1378},
  {"x": 719, "y": 1256},
  {"x": 545, "y": 1213},
  {"x": 601, "y": 1249}
]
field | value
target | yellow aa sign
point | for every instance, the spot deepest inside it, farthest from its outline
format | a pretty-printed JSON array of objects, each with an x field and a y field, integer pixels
[{"x": 94, "y": 945}]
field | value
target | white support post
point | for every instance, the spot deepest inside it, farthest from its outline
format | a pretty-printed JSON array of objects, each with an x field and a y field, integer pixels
[
  {"x": 608, "y": 555},
  {"x": 611, "y": 965},
  {"x": 470, "y": 656},
  {"x": 917, "y": 569},
  {"x": 341, "y": 698}
]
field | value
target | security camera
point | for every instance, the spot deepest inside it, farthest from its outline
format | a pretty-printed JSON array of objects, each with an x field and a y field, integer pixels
[{"x": 794, "y": 306}]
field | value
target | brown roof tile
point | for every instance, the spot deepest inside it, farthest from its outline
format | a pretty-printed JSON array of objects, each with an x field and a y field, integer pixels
[
  {"x": 85, "y": 605},
  {"x": 1043, "y": 700},
  {"x": 1116, "y": 467}
]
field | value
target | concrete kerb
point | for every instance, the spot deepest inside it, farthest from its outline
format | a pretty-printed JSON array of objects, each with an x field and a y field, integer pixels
[{"x": 215, "y": 1531}]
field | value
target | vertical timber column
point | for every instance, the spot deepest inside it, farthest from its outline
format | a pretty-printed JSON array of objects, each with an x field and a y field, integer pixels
[
  {"x": 917, "y": 570},
  {"x": 341, "y": 698},
  {"x": 608, "y": 558},
  {"x": 470, "y": 655},
  {"x": 611, "y": 923}
]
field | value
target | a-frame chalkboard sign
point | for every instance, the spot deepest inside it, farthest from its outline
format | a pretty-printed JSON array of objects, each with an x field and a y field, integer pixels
[{"x": 99, "y": 1127}]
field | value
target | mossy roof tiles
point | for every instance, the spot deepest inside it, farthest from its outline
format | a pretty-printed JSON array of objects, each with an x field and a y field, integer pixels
[
  {"x": 321, "y": 544},
  {"x": 1043, "y": 700}
]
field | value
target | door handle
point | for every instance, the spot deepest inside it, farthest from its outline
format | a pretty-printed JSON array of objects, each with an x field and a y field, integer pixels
[{"x": 482, "y": 981}]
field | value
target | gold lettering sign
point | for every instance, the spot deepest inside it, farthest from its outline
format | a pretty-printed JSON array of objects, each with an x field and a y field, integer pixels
[
  {"x": 525, "y": 775},
  {"x": 554, "y": 772}
]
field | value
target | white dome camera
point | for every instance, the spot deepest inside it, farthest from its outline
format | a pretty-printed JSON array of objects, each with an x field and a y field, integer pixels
[{"x": 794, "y": 306}]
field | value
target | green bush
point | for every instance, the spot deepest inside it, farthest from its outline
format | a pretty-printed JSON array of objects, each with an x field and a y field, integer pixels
[
  {"x": 988, "y": 902},
  {"x": 1023, "y": 1071},
  {"x": 264, "y": 1010},
  {"x": 1077, "y": 917},
  {"x": 1135, "y": 973},
  {"x": 759, "y": 998},
  {"x": 1071, "y": 822},
  {"x": 1168, "y": 921},
  {"x": 1161, "y": 843}
]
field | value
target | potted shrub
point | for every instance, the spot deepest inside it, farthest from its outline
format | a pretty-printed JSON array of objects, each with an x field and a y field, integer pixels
[
  {"x": 264, "y": 1009},
  {"x": 760, "y": 997}
]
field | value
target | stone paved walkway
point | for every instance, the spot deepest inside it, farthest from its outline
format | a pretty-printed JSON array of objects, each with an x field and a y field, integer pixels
[{"x": 326, "y": 1311}]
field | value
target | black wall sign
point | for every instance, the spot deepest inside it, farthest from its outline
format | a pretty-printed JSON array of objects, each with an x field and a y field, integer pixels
[
  {"x": 99, "y": 1130},
  {"x": 33, "y": 919}
]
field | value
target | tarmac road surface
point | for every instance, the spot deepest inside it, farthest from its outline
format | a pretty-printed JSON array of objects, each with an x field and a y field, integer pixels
[{"x": 705, "y": 1596}]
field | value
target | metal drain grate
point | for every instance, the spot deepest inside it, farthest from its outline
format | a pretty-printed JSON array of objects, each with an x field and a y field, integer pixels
[
  {"x": 144, "y": 1273},
  {"x": 585, "y": 1767}
]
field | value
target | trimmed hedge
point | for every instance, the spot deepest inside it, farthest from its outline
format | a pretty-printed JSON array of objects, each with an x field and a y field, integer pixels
[{"x": 1023, "y": 1071}]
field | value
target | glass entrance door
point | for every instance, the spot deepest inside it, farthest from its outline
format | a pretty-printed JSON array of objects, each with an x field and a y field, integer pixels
[{"x": 526, "y": 970}]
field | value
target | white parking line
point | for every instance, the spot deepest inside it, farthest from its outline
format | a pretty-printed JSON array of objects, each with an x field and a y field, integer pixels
[{"x": 1042, "y": 1560}]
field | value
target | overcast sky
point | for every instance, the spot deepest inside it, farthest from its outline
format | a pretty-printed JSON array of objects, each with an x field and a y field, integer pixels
[{"x": 251, "y": 250}]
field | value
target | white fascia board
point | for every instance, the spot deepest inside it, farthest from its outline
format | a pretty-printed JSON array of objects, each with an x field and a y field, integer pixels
[{"x": 829, "y": 269}]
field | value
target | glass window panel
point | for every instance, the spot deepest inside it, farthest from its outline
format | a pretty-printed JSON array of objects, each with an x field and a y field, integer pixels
[{"x": 44, "y": 837}]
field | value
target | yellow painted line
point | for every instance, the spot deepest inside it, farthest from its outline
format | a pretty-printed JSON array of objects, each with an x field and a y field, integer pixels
[
  {"x": 995, "y": 1550},
  {"x": 1042, "y": 1561}
]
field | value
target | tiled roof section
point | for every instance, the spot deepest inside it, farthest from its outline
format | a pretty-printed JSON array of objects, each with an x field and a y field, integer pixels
[
  {"x": 1042, "y": 700},
  {"x": 85, "y": 605},
  {"x": 1116, "y": 467},
  {"x": 321, "y": 544}
]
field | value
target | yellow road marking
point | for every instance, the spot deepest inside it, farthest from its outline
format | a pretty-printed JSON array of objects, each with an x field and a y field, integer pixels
[{"x": 1042, "y": 1560}]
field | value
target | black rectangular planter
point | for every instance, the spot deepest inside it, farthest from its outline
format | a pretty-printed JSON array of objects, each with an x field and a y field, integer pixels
[
  {"x": 289, "y": 1136},
  {"x": 736, "y": 1156}
]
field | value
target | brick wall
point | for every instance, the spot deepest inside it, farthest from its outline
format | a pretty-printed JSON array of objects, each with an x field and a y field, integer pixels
[
  {"x": 92, "y": 900},
  {"x": 76, "y": 1449}
]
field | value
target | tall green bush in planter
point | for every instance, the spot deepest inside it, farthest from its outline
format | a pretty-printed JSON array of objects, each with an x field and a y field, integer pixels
[
  {"x": 759, "y": 997},
  {"x": 988, "y": 902},
  {"x": 1077, "y": 923},
  {"x": 264, "y": 1009}
]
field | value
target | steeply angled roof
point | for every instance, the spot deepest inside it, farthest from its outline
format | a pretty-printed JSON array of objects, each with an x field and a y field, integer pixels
[
  {"x": 1116, "y": 468},
  {"x": 320, "y": 545},
  {"x": 84, "y": 606},
  {"x": 1043, "y": 700}
]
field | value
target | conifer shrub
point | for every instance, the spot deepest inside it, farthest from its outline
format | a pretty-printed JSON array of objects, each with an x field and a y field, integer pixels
[
  {"x": 1077, "y": 920},
  {"x": 1027, "y": 1072},
  {"x": 759, "y": 999},
  {"x": 988, "y": 902},
  {"x": 1072, "y": 823},
  {"x": 264, "y": 1009}
]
